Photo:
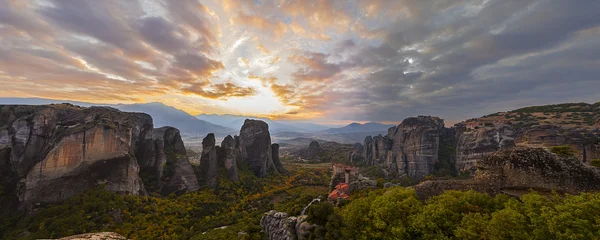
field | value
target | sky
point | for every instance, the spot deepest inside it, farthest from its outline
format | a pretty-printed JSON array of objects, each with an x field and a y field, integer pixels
[{"x": 317, "y": 60}]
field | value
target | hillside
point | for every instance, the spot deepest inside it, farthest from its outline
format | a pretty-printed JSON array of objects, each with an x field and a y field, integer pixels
[
  {"x": 568, "y": 115},
  {"x": 358, "y": 127}
]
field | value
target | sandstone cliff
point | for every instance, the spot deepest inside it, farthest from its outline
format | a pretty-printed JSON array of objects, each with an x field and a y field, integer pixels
[{"x": 51, "y": 152}]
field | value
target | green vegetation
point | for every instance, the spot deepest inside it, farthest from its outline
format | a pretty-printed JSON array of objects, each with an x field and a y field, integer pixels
[
  {"x": 557, "y": 108},
  {"x": 397, "y": 213},
  {"x": 595, "y": 163},
  {"x": 231, "y": 211},
  {"x": 563, "y": 151}
]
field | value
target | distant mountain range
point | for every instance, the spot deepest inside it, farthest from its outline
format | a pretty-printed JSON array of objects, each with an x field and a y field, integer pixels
[
  {"x": 236, "y": 122},
  {"x": 358, "y": 127},
  {"x": 225, "y": 124}
]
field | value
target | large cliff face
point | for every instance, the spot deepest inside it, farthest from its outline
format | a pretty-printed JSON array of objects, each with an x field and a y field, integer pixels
[
  {"x": 474, "y": 145},
  {"x": 255, "y": 147},
  {"x": 176, "y": 174},
  {"x": 410, "y": 149},
  {"x": 51, "y": 152},
  {"x": 55, "y": 151}
]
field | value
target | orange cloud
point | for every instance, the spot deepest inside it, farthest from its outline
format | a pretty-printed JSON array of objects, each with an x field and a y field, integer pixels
[
  {"x": 278, "y": 28},
  {"x": 219, "y": 91},
  {"x": 262, "y": 49}
]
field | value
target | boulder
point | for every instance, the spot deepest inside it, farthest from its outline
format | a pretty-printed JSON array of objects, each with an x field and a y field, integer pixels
[
  {"x": 96, "y": 236},
  {"x": 313, "y": 151}
]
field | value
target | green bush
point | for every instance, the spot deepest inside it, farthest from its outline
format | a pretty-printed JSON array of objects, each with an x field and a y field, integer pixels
[
  {"x": 595, "y": 163},
  {"x": 563, "y": 151}
]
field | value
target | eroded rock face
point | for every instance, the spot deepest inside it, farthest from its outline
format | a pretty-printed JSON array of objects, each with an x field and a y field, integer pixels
[
  {"x": 230, "y": 154},
  {"x": 275, "y": 156},
  {"x": 515, "y": 171},
  {"x": 278, "y": 226},
  {"x": 475, "y": 145},
  {"x": 313, "y": 150},
  {"x": 255, "y": 147},
  {"x": 96, "y": 236},
  {"x": 177, "y": 175},
  {"x": 410, "y": 149},
  {"x": 208, "y": 161},
  {"x": 52, "y": 152}
]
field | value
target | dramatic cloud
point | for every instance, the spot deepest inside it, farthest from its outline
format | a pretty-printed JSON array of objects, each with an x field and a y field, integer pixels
[{"x": 378, "y": 60}]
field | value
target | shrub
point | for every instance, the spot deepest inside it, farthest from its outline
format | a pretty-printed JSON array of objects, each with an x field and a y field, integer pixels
[
  {"x": 563, "y": 151},
  {"x": 595, "y": 163}
]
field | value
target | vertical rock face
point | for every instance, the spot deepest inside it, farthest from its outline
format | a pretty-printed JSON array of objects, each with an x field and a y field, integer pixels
[
  {"x": 356, "y": 154},
  {"x": 255, "y": 147},
  {"x": 51, "y": 152},
  {"x": 474, "y": 145},
  {"x": 177, "y": 174},
  {"x": 313, "y": 150},
  {"x": 409, "y": 149},
  {"x": 230, "y": 154},
  {"x": 208, "y": 161},
  {"x": 416, "y": 144},
  {"x": 275, "y": 156}
]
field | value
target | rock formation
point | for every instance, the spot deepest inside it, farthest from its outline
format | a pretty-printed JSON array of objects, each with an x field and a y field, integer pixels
[
  {"x": 229, "y": 155},
  {"x": 474, "y": 145},
  {"x": 312, "y": 153},
  {"x": 276, "y": 160},
  {"x": 252, "y": 147},
  {"x": 177, "y": 174},
  {"x": 208, "y": 161},
  {"x": 280, "y": 226},
  {"x": 96, "y": 236},
  {"x": 255, "y": 147},
  {"x": 410, "y": 149},
  {"x": 515, "y": 171},
  {"x": 51, "y": 152},
  {"x": 356, "y": 154}
]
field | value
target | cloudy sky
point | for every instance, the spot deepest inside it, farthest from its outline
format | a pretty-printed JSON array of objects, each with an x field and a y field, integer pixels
[{"x": 331, "y": 61}]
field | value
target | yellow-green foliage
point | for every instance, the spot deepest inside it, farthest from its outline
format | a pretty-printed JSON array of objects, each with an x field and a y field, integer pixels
[
  {"x": 595, "y": 162},
  {"x": 398, "y": 214},
  {"x": 563, "y": 151},
  {"x": 238, "y": 205}
]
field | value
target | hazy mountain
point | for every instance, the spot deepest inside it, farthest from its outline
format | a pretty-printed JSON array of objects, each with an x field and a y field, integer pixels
[
  {"x": 236, "y": 122},
  {"x": 162, "y": 114},
  {"x": 357, "y": 127}
]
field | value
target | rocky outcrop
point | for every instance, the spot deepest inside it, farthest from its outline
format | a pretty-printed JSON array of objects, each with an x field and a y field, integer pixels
[
  {"x": 312, "y": 153},
  {"x": 515, "y": 171},
  {"x": 278, "y": 226},
  {"x": 96, "y": 236},
  {"x": 356, "y": 154},
  {"x": 476, "y": 144},
  {"x": 177, "y": 174},
  {"x": 52, "y": 152},
  {"x": 276, "y": 160},
  {"x": 208, "y": 161},
  {"x": 255, "y": 147},
  {"x": 229, "y": 155},
  {"x": 410, "y": 149}
]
